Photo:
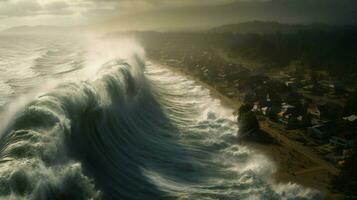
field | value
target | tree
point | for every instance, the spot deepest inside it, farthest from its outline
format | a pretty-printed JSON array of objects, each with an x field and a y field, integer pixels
[
  {"x": 247, "y": 121},
  {"x": 273, "y": 112}
]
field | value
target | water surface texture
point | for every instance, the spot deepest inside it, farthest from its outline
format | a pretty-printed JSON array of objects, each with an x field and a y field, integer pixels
[{"x": 95, "y": 120}]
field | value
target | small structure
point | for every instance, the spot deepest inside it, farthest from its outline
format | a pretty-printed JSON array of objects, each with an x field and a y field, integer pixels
[
  {"x": 341, "y": 142},
  {"x": 329, "y": 110},
  {"x": 287, "y": 111},
  {"x": 249, "y": 97},
  {"x": 291, "y": 83},
  {"x": 265, "y": 110},
  {"x": 351, "y": 118},
  {"x": 315, "y": 121},
  {"x": 320, "y": 131},
  {"x": 335, "y": 159},
  {"x": 336, "y": 87},
  {"x": 288, "y": 116},
  {"x": 313, "y": 110}
]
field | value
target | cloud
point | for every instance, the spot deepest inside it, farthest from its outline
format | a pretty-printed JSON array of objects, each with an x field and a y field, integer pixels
[
  {"x": 173, "y": 12},
  {"x": 57, "y": 5},
  {"x": 40, "y": 7},
  {"x": 18, "y": 8},
  {"x": 115, "y": 7}
]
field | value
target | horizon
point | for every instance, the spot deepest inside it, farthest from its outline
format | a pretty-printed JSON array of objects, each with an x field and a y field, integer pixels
[
  {"x": 172, "y": 15},
  {"x": 184, "y": 29}
]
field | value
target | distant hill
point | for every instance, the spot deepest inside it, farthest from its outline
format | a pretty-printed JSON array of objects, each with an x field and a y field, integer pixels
[
  {"x": 39, "y": 29},
  {"x": 262, "y": 27}
]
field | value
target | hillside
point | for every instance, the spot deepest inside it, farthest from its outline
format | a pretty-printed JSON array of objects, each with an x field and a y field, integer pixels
[{"x": 263, "y": 27}]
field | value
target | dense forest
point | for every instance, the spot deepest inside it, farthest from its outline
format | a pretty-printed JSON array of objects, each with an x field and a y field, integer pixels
[{"x": 332, "y": 50}]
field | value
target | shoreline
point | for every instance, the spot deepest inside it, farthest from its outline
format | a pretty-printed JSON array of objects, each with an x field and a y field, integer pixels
[{"x": 295, "y": 163}]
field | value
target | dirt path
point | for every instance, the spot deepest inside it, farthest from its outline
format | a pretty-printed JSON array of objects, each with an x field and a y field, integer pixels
[
  {"x": 310, "y": 170},
  {"x": 279, "y": 135}
]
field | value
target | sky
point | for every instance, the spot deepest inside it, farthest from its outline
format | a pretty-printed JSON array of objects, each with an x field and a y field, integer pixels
[{"x": 172, "y": 14}]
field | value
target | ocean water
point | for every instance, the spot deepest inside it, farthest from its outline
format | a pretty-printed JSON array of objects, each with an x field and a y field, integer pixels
[{"x": 93, "y": 119}]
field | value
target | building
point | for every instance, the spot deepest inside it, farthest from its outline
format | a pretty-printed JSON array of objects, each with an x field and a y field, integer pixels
[
  {"x": 341, "y": 142},
  {"x": 320, "y": 131}
]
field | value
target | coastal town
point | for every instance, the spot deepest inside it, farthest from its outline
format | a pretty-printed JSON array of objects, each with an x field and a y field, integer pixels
[
  {"x": 310, "y": 109},
  {"x": 322, "y": 109}
]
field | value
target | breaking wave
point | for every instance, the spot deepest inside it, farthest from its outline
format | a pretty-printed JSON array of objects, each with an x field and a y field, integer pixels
[{"x": 133, "y": 132}]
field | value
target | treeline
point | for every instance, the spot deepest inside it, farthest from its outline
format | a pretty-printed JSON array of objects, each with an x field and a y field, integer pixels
[{"x": 334, "y": 51}]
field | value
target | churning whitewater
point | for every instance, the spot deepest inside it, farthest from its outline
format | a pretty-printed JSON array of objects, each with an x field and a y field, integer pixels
[{"x": 125, "y": 129}]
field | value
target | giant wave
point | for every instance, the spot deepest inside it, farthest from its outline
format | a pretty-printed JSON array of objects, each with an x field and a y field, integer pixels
[{"x": 136, "y": 131}]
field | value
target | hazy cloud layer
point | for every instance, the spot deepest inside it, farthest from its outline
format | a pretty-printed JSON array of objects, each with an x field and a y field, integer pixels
[
  {"x": 161, "y": 13},
  {"x": 11, "y": 8}
]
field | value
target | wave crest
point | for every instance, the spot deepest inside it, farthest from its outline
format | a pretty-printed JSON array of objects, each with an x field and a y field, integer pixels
[{"x": 42, "y": 152}]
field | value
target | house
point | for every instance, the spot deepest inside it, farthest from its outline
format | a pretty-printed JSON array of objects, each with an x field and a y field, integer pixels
[
  {"x": 336, "y": 87},
  {"x": 281, "y": 76},
  {"x": 256, "y": 107},
  {"x": 351, "y": 125},
  {"x": 249, "y": 97},
  {"x": 289, "y": 117},
  {"x": 330, "y": 110},
  {"x": 341, "y": 142},
  {"x": 305, "y": 82},
  {"x": 284, "y": 122},
  {"x": 293, "y": 98},
  {"x": 351, "y": 118},
  {"x": 335, "y": 159},
  {"x": 264, "y": 101},
  {"x": 308, "y": 87},
  {"x": 313, "y": 110},
  {"x": 318, "y": 90},
  {"x": 316, "y": 121},
  {"x": 320, "y": 131},
  {"x": 324, "y": 83},
  {"x": 265, "y": 110},
  {"x": 291, "y": 83},
  {"x": 286, "y": 110}
]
